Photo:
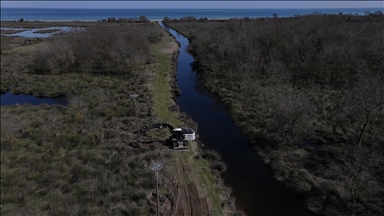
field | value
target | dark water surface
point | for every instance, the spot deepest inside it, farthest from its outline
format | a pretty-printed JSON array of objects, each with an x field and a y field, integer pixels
[
  {"x": 254, "y": 188},
  {"x": 10, "y": 99}
]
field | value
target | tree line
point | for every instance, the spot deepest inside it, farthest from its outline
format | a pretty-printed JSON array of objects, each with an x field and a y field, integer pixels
[
  {"x": 140, "y": 19},
  {"x": 98, "y": 49}
]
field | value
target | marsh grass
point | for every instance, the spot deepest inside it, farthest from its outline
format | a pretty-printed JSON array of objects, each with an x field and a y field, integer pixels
[
  {"x": 76, "y": 170},
  {"x": 75, "y": 159}
]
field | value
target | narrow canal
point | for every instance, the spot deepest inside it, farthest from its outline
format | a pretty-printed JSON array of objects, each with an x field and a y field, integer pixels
[{"x": 254, "y": 188}]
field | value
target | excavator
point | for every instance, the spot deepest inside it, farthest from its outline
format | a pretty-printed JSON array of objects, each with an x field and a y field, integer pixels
[{"x": 179, "y": 137}]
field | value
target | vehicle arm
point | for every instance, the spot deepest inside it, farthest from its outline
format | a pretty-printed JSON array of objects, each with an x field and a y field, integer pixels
[{"x": 144, "y": 129}]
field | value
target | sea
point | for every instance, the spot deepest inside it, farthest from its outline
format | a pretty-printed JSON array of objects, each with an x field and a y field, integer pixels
[{"x": 31, "y": 14}]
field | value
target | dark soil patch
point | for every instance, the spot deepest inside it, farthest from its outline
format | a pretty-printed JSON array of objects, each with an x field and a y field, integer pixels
[{"x": 188, "y": 201}]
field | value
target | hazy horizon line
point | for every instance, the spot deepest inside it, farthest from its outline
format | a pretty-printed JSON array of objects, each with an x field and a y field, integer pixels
[{"x": 194, "y": 8}]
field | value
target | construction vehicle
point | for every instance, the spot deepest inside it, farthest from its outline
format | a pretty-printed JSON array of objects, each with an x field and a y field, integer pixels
[{"x": 179, "y": 138}]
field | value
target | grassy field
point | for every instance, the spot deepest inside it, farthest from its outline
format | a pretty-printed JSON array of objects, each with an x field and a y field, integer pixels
[{"x": 77, "y": 159}]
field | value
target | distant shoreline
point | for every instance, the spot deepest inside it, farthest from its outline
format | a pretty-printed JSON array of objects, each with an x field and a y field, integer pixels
[
  {"x": 51, "y": 20},
  {"x": 68, "y": 15},
  {"x": 151, "y": 20}
]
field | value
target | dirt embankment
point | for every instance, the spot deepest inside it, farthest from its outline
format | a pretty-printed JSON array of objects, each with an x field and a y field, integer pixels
[
  {"x": 193, "y": 181},
  {"x": 188, "y": 197},
  {"x": 189, "y": 202}
]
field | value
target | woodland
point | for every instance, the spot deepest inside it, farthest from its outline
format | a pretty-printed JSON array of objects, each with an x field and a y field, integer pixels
[{"x": 308, "y": 91}]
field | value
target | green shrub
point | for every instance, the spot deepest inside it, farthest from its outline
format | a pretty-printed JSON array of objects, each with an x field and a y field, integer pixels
[{"x": 211, "y": 155}]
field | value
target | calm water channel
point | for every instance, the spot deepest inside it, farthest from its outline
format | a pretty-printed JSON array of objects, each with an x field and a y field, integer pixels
[{"x": 254, "y": 188}]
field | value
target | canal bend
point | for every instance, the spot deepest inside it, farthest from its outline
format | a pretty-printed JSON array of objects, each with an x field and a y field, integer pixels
[{"x": 252, "y": 184}]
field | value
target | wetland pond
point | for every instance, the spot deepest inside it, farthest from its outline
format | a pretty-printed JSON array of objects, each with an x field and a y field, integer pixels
[
  {"x": 9, "y": 98},
  {"x": 253, "y": 186},
  {"x": 36, "y": 32}
]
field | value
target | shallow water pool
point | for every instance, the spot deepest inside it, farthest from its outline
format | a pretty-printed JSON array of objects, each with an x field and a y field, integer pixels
[{"x": 9, "y": 98}]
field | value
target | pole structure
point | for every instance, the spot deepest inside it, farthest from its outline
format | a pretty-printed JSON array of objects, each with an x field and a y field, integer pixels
[
  {"x": 134, "y": 96},
  {"x": 157, "y": 192},
  {"x": 137, "y": 122},
  {"x": 156, "y": 167}
]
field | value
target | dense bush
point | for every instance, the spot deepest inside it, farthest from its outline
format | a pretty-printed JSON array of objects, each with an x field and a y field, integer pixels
[
  {"x": 103, "y": 50},
  {"x": 313, "y": 82},
  {"x": 214, "y": 160},
  {"x": 296, "y": 75}
]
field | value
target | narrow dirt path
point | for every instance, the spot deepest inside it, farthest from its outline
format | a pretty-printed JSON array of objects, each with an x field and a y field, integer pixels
[
  {"x": 191, "y": 177},
  {"x": 190, "y": 199}
]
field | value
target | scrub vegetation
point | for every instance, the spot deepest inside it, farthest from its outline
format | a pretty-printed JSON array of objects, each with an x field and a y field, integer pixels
[
  {"x": 309, "y": 93},
  {"x": 77, "y": 159}
]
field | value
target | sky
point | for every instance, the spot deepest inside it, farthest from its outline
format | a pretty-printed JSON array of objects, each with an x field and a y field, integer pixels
[{"x": 191, "y": 4}]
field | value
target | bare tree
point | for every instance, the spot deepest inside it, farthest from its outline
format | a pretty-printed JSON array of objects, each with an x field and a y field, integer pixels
[
  {"x": 63, "y": 53},
  {"x": 52, "y": 126},
  {"x": 78, "y": 106},
  {"x": 291, "y": 115},
  {"x": 367, "y": 98},
  {"x": 357, "y": 167},
  {"x": 26, "y": 127},
  {"x": 45, "y": 61},
  {"x": 143, "y": 18},
  {"x": 92, "y": 185},
  {"x": 9, "y": 127},
  {"x": 99, "y": 95},
  {"x": 93, "y": 128}
]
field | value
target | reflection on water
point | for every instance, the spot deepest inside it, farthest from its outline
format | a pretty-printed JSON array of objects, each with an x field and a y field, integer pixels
[
  {"x": 33, "y": 32},
  {"x": 10, "y": 99}
]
